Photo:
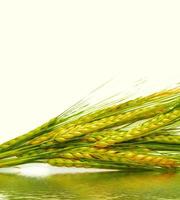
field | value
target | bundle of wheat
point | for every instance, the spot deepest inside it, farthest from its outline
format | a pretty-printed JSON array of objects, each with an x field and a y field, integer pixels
[{"x": 129, "y": 134}]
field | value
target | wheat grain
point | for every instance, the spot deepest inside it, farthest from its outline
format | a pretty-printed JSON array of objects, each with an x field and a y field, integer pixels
[
  {"x": 120, "y": 156},
  {"x": 169, "y": 139},
  {"x": 141, "y": 130},
  {"x": 132, "y": 116},
  {"x": 109, "y": 111}
]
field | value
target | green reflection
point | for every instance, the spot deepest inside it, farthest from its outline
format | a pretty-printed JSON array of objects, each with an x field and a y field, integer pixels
[{"x": 92, "y": 186}]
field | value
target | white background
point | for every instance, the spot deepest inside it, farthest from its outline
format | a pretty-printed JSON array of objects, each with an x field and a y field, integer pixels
[{"x": 53, "y": 52}]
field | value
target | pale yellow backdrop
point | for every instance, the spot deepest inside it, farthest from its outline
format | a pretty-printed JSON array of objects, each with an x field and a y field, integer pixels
[{"x": 53, "y": 52}]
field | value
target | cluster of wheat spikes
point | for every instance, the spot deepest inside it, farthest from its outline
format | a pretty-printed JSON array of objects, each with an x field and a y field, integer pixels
[{"x": 135, "y": 134}]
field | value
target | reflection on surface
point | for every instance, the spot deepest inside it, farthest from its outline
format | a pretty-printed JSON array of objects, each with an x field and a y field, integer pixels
[{"x": 92, "y": 186}]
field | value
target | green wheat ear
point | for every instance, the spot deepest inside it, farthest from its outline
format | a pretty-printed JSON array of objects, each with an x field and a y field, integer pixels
[
  {"x": 141, "y": 130},
  {"x": 64, "y": 135}
]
